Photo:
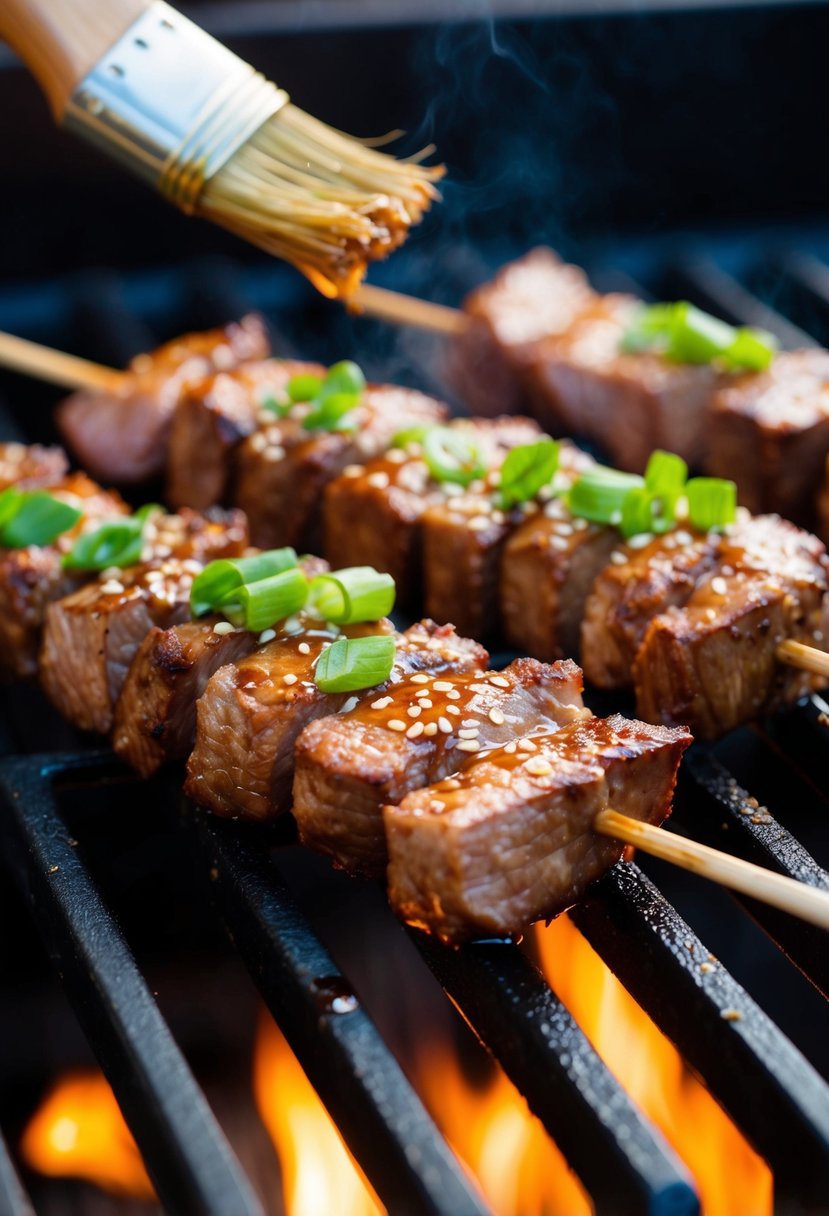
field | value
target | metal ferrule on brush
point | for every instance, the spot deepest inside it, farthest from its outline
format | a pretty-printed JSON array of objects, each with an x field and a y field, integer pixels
[{"x": 171, "y": 103}]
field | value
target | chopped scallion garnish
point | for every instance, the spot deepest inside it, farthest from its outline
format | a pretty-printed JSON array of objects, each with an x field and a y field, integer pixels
[
  {"x": 452, "y": 456},
  {"x": 304, "y": 387},
  {"x": 258, "y": 605},
  {"x": 357, "y": 593},
  {"x": 712, "y": 502},
  {"x": 350, "y": 664},
  {"x": 526, "y": 470},
  {"x": 412, "y": 434},
  {"x": 219, "y": 580},
  {"x": 118, "y": 542},
  {"x": 331, "y": 413},
  {"x": 685, "y": 334},
  {"x": 332, "y": 397},
  {"x": 33, "y": 517},
  {"x": 599, "y": 494}
]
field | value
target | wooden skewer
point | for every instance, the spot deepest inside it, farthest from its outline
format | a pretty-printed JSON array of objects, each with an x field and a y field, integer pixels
[
  {"x": 55, "y": 366},
  {"x": 408, "y": 310},
  {"x": 807, "y": 658},
  {"x": 809, "y": 903}
]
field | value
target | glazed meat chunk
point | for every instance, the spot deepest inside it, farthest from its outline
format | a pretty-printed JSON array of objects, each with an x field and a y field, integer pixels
[
  {"x": 252, "y": 712},
  {"x": 347, "y": 767},
  {"x": 507, "y": 839},
  {"x": 713, "y": 664}
]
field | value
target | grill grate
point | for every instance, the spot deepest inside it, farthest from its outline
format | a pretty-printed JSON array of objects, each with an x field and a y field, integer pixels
[{"x": 766, "y": 1084}]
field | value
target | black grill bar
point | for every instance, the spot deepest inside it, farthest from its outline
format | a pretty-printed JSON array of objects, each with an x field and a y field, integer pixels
[
  {"x": 767, "y": 1087},
  {"x": 724, "y": 815},
  {"x": 623, "y": 1162},
  {"x": 362, "y": 1085},
  {"x": 185, "y": 1151},
  {"x": 13, "y": 1199}
]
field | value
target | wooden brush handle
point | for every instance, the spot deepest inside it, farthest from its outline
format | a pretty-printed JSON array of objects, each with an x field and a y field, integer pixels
[{"x": 60, "y": 40}]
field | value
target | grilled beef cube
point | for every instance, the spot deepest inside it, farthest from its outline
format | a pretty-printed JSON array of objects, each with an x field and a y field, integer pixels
[
  {"x": 283, "y": 468},
  {"x": 637, "y": 584},
  {"x": 251, "y": 713},
  {"x": 823, "y": 506},
  {"x": 712, "y": 665},
  {"x": 508, "y": 839},
  {"x": 769, "y": 432},
  {"x": 155, "y": 717},
  {"x": 122, "y": 436},
  {"x": 628, "y": 403},
  {"x": 349, "y": 766},
  {"x": 463, "y": 541},
  {"x": 212, "y": 417},
  {"x": 548, "y": 568},
  {"x": 29, "y": 466},
  {"x": 372, "y": 513},
  {"x": 490, "y": 362},
  {"x": 91, "y": 636},
  {"x": 31, "y": 578}
]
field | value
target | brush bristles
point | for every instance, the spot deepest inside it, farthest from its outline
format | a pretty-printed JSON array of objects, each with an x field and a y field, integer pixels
[{"x": 319, "y": 199}]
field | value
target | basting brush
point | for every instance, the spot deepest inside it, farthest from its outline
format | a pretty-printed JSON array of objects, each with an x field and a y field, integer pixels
[{"x": 215, "y": 137}]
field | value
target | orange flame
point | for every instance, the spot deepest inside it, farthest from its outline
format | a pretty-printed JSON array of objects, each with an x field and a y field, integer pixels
[
  {"x": 79, "y": 1132},
  {"x": 729, "y": 1175},
  {"x": 319, "y": 1174}
]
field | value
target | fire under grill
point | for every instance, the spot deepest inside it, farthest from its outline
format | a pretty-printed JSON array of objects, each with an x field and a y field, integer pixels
[{"x": 265, "y": 891}]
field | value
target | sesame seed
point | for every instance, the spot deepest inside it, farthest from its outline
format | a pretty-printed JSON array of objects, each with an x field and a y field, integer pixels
[
  {"x": 290, "y": 678},
  {"x": 114, "y": 571},
  {"x": 469, "y": 745},
  {"x": 257, "y": 442},
  {"x": 499, "y": 681},
  {"x": 683, "y": 537},
  {"x": 478, "y": 523},
  {"x": 618, "y": 558},
  {"x": 510, "y": 747},
  {"x": 710, "y": 614},
  {"x": 719, "y": 586},
  {"x": 496, "y": 716},
  {"x": 349, "y": 705},
  {"x": 442, "y": 686},
  {"x": 425, "y": 703},
  {"x": 445, "y": 725},
  {"x": 396, "y": 724},
  {"x": 420, "y": 678},
  {"x": 436, "y": 805},
  {"x": 304, "y": 648},
  {"x": 431, "y": 728},
  {"x": 396, "y": 456},
  {"x": 729, "y": 570},
  {"x": 640, "y": 541},
  {"x": 565, "y": 529},
  {"x": 414, "y": 711},
  {"x": 267, "y": 635},
  {"x": 415, "y": 730},
  {"x": 615, "y": 517},
  {"x": 380, "y": 481},
  {"x": 273, "y": 452},
  {"x": 353, "y": 470},
  {"x": 453, "y": 709},
  {"x": 526, "y": 745},
  {"x": 452, "y": 784},
  {"x": 112, "y": 587},
  {"x": 469, "y": 733},
  {"x": 381, "y": 703},
  {"x": 558, "y": 542},
  {"x": 538, "y": 767},
  {"x": 223, "y": 627},
  {"x": 454, "y": 695},
  {"x": 580, "y": 525}
]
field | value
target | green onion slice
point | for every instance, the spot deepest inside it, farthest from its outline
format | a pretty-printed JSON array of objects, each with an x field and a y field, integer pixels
[
  {"x": 33, "y": 518},
  {"x": 412, "y": 434},
  {"x": 526, "y": 470},
  {"x": 452, "y": 456},
  {"x": 305, "y": 387},
  {"x": 219, "y": 580},
  {"x": 665, "y": 478},
  {"x": 685, "y": 334},
  {"x": 357, "y": 593},
  {"x": 331, "y": 413},
  {"x": 350, "y": 664},
  {"x": 712, "y": 502},
  {"x": 259, "y": 605},
  {"x": 599, "y": 494},
  {"x": 637, "y": 512},
  {"x": 118, "y": 542},
  {"x": 344, "y": 377}
]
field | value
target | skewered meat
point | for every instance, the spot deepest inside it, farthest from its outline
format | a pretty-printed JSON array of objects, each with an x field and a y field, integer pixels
[
  {"x": 91, "y": 636},
  {"x": 823, "y": 505},
  {"x": 31, "y": 578},
  {"x": 491, "y": 361},
  {"x": 155, "y": 717},
  {"x": 211, "y": 418},
  {"x": 123, "y": 436},
  {"x": 507, "y": 839},
  {"x": 463, "y": 543},
  {"x": 283, "y": 468},
  {"x": 348, "y": 766},
  {"x": 636, "y": 585},
  {"x": 547, "y": 571},
  {"x": 29, "y": 465},
  {"x": 769, "y": 432},
  {"x": 712, "y": 664},
  {"x": 251, "y": 714},
  {"x": 373, "y": 513}
]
